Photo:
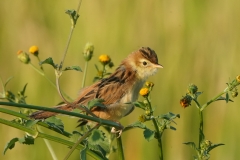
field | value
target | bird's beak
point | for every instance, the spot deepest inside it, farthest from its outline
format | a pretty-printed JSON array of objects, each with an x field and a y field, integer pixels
[{"x": 158, "y": 66}]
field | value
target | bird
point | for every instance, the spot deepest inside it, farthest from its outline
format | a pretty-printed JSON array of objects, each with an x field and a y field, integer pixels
[{"x": 118, "y": 90}]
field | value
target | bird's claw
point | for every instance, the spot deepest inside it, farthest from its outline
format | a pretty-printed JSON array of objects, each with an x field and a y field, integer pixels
[{"x": 113, "y": 130}]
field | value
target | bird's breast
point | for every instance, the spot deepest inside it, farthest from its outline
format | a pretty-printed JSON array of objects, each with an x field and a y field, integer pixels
[{"x": 124, "y": 106}]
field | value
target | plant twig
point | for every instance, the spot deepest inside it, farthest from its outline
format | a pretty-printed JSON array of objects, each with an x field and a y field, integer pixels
[
  {"x": 49, "y": 137},
  {"x": 158, "y": 133},
  {"x": 120, "y": 148},
  {"x": 54, "y": 157},
  {"x": 95, "y": 119},
  {"x": 84, "y": 74},
  {"x": 80, "y": 140}
]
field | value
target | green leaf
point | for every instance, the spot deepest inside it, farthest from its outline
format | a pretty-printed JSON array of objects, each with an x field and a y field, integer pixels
[
  {"x": 198, "y": 93},
  {"x": 73, "y": 16},
  {"x": 98, "y": 143},
  {"x": 83, "y": 153},
  {"x": 139, "y": 105},
  {"x": 137, "y": 124},
  {"x": 10, "y": 145},
  {"x": 96, "y": 137},
  {"x": 8, "y": 80},
  {"x": 55, "y": 123},
  {"x": 26, "y": 140},
  {"x": 223, "y": 98},
  {"x": 191, "y": 144},
  {"x": 24, "y": 89},
  {"x": 30, "y": 123},
  {"x": 76, "y": 68},
  {"x": 214, "y": 146},
  {"x": 169, "y": 116},
  {"x": 75, "y": 136},
  {"x": 148, "y": 134},
  {"x": 96, "y": 103},
  {"x": 98, "y": 150},
  {"x": 171, "y": 127},
  {"x": 227, "y": 97},
  {"x": 49, "y": 61}
]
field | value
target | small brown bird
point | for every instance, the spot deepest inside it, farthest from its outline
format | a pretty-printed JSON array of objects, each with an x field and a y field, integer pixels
[{"x": 120, "y": 88}]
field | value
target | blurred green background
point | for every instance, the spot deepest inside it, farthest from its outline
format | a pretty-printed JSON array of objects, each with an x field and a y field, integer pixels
[{"x": 196, "y": 42}]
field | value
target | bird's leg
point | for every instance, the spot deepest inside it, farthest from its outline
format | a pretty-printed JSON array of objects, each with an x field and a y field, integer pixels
[{"x": 119, "y": 131}]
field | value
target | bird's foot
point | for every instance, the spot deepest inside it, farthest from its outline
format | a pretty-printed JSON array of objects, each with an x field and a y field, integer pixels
[
  {"x": 114, "y": 130},
  {"x": 119, "y": 131}
]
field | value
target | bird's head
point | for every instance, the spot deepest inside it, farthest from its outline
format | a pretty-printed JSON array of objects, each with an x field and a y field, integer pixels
[{"x": 144, "y": 62}]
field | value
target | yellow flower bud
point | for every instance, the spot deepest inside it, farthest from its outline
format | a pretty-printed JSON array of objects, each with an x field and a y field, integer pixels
[
  {"x": 144, "y": 92},
  {"x": 23, "y": 57},
  {"x": 149, "y": 84},
  {"x": 104, "y": 59},
  {"x": 142, "y": 118},
  {"x": 147, "y": 112},
  {"x": 34, "y": 50}
]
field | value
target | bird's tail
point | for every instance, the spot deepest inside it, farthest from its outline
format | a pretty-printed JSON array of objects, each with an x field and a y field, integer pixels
[{"x": 47, "y": 114}]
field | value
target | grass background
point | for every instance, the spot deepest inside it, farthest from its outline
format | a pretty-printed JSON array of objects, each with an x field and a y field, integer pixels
[{"x": 196, "y": 42}]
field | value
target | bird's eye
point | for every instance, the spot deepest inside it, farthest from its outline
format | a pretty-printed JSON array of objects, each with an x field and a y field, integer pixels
[{"x": 144, "y": 63}]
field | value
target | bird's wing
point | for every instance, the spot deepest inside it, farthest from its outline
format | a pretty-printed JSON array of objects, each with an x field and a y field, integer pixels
[{"x": 110, "y": 89}]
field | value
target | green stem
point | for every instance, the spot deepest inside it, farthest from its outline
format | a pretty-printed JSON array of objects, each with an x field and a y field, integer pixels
[
  {"x": 158, "y": 133},
  {"x": 200, "y": 128},
  {"x": 84, "y": 74},
  {"x": 20, "y": 115},
  {"x": 104, "y": 71},
  {"x": 120, "y": 149},
  {"x": 18, "y": 126},
  {"x": 214, "y": 99},
  {"x": 36, "y": 69},
  {"x": 80, "y": 140},
  {"x": 54, "y": 157},
  {"x": 95, "y": 119},
  {"x": 49, "y": 137},
  {"x": 53, "y": 84}
]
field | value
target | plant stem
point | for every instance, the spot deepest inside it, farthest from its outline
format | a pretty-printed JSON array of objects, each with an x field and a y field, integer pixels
[
  {"x": 49, "y": 137},
  {"x": 54, "y": 157},
  {"x": 95, "y": 119},
  {"x": 80, "y": 140},
  {"x": 43, "y": 74},
  {"x": 214, "y": 99},
  {"x": 20, "y": 115},
  {"x": 36, "y": 69},
  {"x": 200, "y": 128},
  {"x": 84, "y": 74},
  {"x": 120, "y": 149},
  {"x": 158, "y": 133}
]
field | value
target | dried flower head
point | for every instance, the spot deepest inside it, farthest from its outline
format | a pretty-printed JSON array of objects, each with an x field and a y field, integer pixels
[
  {"x": 144, "y": 92},
  {"x": 88, "y": 51},
  {"x": 186, "y": 101},
  {"x": 34, "y": 50},
  {"x": 104, "y": 59},
  {"x": 23, "y": 57}
]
